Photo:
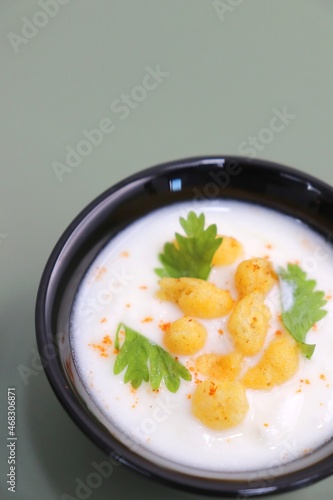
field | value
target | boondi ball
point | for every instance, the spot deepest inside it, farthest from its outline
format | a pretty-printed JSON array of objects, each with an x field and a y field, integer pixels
[
  {"x": 255, "y": 275},
  {"x": 220, "y": 366},
  {"x": 196, "y": 297},
  {"x": 220, "y": 404},
  {"x": 278, "y": 364},
  {"x": 185, "y": 336},
  {"x": 228, "y": 252},
  {"x": 249, "y": 322}
]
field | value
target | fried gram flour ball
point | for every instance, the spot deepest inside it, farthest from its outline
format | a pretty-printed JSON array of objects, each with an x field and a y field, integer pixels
[
  {"x": 220, "y": 404},
  {"x": 185, "y": 336}
]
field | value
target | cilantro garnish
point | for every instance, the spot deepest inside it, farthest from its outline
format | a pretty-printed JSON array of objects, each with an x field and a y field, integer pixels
[
  {"x": 146, "y": 361},
  {"x": 192, "y": 255},
  {"x": 301, "y": 305}
]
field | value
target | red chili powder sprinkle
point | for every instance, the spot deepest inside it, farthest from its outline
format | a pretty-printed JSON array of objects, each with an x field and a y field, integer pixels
[
  {"x": 212, "y": 389},
  {"x": 107, "y": 340},
  {"x": 278, "y": 332},
  {"x": 148, "y": 319},
  {"x": 189, "y": 396},
  {"x": 99, "y": 273},
  {"x": 103, "y": 320},
  {"x": 164, "y": 326},
  {"x": 221, "y": 332},
  {"x": 103, "y": 347},
  {"x": 143, "y": 287}
]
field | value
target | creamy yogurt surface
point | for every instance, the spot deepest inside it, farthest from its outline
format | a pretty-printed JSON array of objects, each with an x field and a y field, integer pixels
[{"x": 120, "y": 287}]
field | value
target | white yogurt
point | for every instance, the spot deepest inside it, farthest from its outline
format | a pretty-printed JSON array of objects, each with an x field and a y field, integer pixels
[{"x": 120, "y": 287}]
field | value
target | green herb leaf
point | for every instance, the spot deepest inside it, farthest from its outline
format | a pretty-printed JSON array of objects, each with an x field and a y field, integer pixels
[
  {"x": 147, "y": 361},
  {"x": 301, "y": 305},
  {"x": 195, "y": 252}
]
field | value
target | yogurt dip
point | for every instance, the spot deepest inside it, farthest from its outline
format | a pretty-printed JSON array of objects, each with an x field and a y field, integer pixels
[{"x": 120, "y": 286}]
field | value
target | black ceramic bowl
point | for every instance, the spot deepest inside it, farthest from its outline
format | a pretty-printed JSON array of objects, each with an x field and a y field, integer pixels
[{"x": 268, "y": 184}]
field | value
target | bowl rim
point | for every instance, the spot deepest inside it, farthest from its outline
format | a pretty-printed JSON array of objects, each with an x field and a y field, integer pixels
[{"x": 69, "y": 401}]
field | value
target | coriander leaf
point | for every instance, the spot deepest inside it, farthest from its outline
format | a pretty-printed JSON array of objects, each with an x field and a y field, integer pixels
[
  {"x": 137, "y": 370},
  {"x": 193, "y": 254},
  {"x": 301, "y": 305},
  {"x": 147, "y": 361},
  {"x": 193, "y": 225},
  {"x": 163, "y": 366}
]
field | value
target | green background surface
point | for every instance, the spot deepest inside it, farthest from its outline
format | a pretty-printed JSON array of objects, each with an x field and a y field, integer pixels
[{"x": 224, "y": 74}]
